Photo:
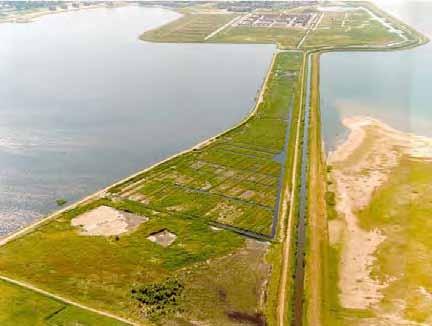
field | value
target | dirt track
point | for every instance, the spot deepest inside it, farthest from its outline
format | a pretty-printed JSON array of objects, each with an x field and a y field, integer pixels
[{"x": 65, "y": 300}]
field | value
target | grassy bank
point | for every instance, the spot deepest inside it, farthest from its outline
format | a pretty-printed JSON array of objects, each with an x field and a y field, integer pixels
[{"x": 316, "y": 253}]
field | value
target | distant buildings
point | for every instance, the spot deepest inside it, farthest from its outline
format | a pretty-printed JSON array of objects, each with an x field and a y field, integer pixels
[
  {"x": 301, "y": 20},
  {"x": 250, "y": 6}
]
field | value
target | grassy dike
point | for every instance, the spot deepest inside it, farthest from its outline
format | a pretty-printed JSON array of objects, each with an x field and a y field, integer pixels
[
  {"x": 321, "y": 272},
  {"x": 286, "y": 226},
  {"x": 295, "y": 199},
  {"x": 315, "y": 274}
]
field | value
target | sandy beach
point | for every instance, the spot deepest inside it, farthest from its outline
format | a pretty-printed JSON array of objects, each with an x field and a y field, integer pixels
[{"x": 360, "y": 166}]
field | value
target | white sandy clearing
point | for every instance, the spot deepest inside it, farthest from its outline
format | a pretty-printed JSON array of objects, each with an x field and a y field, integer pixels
[
  {"x": 107, "y": 221},
  {"x": 356, "y": 179},
  {"x": 163, "y": 238},
  {"x": 336, "y": 228}
]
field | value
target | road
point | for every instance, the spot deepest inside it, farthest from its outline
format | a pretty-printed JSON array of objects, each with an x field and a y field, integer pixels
[
  {"x": 312, "y": 28},
  {"x": 220, "y": 29}
]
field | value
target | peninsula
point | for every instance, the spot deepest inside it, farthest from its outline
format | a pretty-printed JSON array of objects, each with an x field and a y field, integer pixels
[{"x": 255, "y": 225}]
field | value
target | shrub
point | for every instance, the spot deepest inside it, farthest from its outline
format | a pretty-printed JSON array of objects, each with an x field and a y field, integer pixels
[
  {"x": 158, "y": 299},
  {"x": 330, "y": 198},
  {"x": 61, "y": 202}
]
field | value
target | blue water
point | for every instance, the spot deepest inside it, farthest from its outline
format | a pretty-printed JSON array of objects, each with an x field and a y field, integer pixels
[
  {"x": 85, "y": 103},
  {"x": 392, "y": 86}
]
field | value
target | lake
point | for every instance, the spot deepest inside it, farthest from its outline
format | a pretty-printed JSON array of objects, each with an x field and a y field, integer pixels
[
  {"x": 391, "y": 86},
  {"x": 85, "y": 103}
]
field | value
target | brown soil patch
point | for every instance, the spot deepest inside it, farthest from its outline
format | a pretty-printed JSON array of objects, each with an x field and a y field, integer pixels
[
  {"x": 163, "y": 238},
  {"x": 251, "y": 319}
]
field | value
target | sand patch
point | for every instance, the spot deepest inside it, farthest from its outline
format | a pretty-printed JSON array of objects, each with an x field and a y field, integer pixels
[
  {"x": 361, "y": 165},
  {"x": 248, "y": 194},
  {"x": 107, "y": 221},
  {"x": 163, "y": 238},
  {"x": 335, "y": 230}
]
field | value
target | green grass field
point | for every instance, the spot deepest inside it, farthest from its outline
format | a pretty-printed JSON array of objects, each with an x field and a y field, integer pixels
[
  {"x": 283, "y": 37},
  {"x": 101, "y": 271},
  {"x": 19, "y": 306},
  {"x": 351, "y": 28},
  {"x": 189, "y": 28}
]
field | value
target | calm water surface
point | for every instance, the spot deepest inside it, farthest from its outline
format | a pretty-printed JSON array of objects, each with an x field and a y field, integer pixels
[
  {"x": 392, "y": 86},
  {"x": 85, "y": 103}
]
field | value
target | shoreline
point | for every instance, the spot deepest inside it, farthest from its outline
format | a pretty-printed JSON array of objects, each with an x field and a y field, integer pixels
[
  {"x": 360, "y": 166},
  {"x": 31, "y": 17},
  {"x": 356, "y": 134},
  {"x": 16, "y": 234}
]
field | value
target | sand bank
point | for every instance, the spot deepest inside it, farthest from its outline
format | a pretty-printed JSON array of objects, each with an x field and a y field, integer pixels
[{"x": 361, "y": 165}]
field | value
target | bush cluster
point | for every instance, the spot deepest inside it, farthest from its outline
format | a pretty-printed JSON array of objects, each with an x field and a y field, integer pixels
[{"x": 159, "y": 299}]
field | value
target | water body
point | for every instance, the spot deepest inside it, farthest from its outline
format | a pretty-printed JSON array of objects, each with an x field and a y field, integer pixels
[
  {"x": 85, "y": 103},
  {"x": 391, "y": 86}
]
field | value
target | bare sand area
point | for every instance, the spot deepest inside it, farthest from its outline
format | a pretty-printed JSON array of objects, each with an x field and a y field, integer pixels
[
  {"x": 360, "y": 166},
  {"x": 107, "y": 221}
]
